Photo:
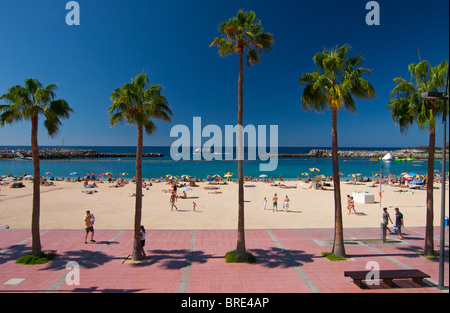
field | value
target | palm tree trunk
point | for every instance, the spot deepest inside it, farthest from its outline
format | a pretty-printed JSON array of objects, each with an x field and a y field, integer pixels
[
  {"x": 35, "y": 229},
  {"x": 338, "y": 246},
  {"x": 137, "y": 255},
  {"x": 240, "y": 248},
  {"x": 429, "y": 243}
]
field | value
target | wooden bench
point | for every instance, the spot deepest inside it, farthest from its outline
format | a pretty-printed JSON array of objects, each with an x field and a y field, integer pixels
[{"x": 388, "y": 275}]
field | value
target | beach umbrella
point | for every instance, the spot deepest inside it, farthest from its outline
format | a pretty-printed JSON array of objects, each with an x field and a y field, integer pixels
[
  {"x": 305, "y": 174},
  {"x": 314, "y": 170},
  {"x": 185, "y": 177},
  {"x": 28, "y": 177},
  {"x": 263, "y": 176},
  {"x": 210, "y": 178},
  {"x": 102, "y": 175},
  {"x": 169, "y": 177},
  {"x": 354, "y": 175},
  {"x": 48, "y": 173},
  {"x": 216, "y": 176},
  {"x": 416, "y": 182},
  {"x": 124, "y": 174},
  {"x": 412, "y": 174},
  {"x": 341, "y": 174},
  {"x": 9, "y": 175},
  {"x": 230, "y": 174}
]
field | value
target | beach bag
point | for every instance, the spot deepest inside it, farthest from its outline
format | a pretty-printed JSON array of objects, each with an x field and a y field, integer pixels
[{"x": 92, "y": 220}]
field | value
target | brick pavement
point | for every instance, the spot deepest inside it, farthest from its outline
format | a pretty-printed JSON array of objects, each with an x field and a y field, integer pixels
[{"x": 188, "y": 261}]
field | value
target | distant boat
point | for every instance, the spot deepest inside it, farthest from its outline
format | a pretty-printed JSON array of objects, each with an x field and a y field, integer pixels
[
  {"x": 387, "y": 158},
  {"x": 203, "y": 151}
]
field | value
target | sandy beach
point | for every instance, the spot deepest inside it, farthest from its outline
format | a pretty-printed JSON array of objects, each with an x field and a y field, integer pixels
[{"x": 64, "y": 205}]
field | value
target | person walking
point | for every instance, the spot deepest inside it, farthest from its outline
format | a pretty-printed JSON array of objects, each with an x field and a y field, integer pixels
[
  {"x": 286, "y": 203},
  {"x": 173, "y": 198},
  {"x": 351, "y": 205},
  {"x": 141, "y": 236},
  {"x": 89, "y": 221},
  {"x": 385, "y": 220},
  {"x": 399, "y": 223},
  {"x": 265, "y": 203},
  {"x": 274, "y": 203}
]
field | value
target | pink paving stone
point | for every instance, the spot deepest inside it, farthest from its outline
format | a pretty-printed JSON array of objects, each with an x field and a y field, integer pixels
[
  {"x": 270, "y": 274},
  {"x": 104, "y": 271}
]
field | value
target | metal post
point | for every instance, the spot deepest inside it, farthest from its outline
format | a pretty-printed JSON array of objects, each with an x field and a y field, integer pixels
[
  {"x": 383, "y": 232},
  {"x": 444, "y": 159}
]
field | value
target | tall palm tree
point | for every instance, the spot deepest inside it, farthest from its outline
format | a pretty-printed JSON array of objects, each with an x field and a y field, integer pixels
[
  {"x": 28, "y": 103},
  {"x": 240, "y": 34},
  {"x": 408, "y": 107},
  {"x": 139, "y": 103},
  {"x": 335, "y": 84}
]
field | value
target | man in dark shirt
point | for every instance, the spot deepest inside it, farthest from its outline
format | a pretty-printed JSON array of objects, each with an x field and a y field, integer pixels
[{"x": 399, "y": 222}]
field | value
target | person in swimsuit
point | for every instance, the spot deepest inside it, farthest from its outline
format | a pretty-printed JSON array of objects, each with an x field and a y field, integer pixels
[
  {"x": 275, "y": 203},
  {"x": 173, "y": 198},
  {"x": 89, "y": 225},
  {"x": 286, "y": 203}
]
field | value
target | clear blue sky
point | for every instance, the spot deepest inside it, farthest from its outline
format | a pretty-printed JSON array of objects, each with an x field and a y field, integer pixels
[{"x": 118, "y": 39}]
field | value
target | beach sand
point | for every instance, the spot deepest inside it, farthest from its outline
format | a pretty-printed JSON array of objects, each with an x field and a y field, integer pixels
[{"x": 64, "y": 205}]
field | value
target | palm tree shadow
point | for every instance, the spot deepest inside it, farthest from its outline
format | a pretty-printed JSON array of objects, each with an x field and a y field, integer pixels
[
  {"x": 276, "y": 257},
  {"x": 14, "y": 252},
  {"x": 86, "y": 258},
  {"x": 175, "y": 259}
]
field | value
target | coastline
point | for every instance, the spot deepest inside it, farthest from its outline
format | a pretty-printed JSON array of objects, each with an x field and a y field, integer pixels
[
  {"x": 362, "y": 154},
  {"x": 58, "y": 153},
  {"x": 61, "y": 153}
]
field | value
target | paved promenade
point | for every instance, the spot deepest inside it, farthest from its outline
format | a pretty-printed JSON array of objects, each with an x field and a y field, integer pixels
[{"x": 187, "y": 261}]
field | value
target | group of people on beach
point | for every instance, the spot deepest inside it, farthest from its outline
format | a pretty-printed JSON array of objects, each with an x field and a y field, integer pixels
[
  {"x": 174, "y": 197},
  {"x": 275, "y": 203}
]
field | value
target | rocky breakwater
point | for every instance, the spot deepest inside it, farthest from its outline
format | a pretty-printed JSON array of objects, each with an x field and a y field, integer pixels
[
  {"x": 362, "y": 154},
  {"x": 54, "y": 154}
]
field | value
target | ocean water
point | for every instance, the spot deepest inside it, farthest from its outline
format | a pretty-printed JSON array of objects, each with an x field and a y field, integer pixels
[{"x": 289, "y": 168}]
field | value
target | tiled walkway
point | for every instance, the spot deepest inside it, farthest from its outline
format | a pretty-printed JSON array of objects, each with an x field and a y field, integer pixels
[{"x": 186, "y": 261}]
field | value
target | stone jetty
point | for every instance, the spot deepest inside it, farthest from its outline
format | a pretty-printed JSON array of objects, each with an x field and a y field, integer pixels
[
  {"x": 364, "y": 154},
  {"x": 54, "y": 154}
]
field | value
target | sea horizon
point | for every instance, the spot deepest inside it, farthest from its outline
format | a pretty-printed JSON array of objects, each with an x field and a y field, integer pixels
[{"x": 156, "y": 167}]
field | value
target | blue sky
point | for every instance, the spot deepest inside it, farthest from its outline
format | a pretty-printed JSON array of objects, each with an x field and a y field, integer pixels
[{"x": 118, "y": 39}]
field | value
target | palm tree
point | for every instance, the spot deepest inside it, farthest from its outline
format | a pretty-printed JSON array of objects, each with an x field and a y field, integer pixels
[
  {"x": 28, "y": 103},
  {"x": 139, "y": 103},
  {"x": 335, "y": 84},
  {"x": 241, "y": 34},
  {"x": 407, "y": 107}
]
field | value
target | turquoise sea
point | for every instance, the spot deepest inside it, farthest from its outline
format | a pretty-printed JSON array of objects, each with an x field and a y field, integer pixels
[{"x": 289, "y": 168}]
